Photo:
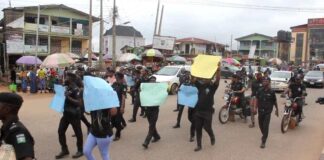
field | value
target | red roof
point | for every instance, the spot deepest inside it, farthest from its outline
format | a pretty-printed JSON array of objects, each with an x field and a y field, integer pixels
[{"x": 195, "y": 41}]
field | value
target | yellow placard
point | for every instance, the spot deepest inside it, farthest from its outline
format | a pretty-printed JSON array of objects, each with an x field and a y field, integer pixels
[{"x": 205, "y": 66}]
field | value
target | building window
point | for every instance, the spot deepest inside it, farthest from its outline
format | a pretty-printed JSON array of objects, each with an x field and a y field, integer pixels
[
  {"x": 299, "y": 48},
  {"x": 316, "y": 43}
]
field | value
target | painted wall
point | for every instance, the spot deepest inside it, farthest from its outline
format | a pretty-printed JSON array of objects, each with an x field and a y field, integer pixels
[
  {"x": 293, "y": 46},
  {"x": 85, "y": 46},
  {"x": 65, "y": 43},
  {"x": 121, "y": 41}
]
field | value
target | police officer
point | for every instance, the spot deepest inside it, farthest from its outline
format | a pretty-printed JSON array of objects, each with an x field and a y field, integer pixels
[
  {"x": 239, "y": 89},
  {"x": 13, "y": 132},
  {"x": 183, "y": 79},
  {"x": 71, "y": 115},
  {"x": 266, "y": 98},
  {"x": 136, "y": 89},
  {"x": 120, "y": 89},
  {"x": 152, "y": 114},
  {"x": 204, "y": 108},
  {"x": 256, "y": 85},
  {"x": 297, "y": 89}
]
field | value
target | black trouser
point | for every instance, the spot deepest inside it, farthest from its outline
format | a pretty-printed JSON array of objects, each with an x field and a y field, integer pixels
[
  {"x": 191, "y": 112},
  {"x": 203, "y": 120},
  {"x": 76, "y": 125},
  {"x": 152, "y": 114},
  {"x": 300, "y": 103},
  {"x": 243, "y": 105},
  {"x": 116, "y": 122},
  {"x": 137, "y": 105},
  {"x": 264, "y": 121},
  {"x": 180, "y": 111}
]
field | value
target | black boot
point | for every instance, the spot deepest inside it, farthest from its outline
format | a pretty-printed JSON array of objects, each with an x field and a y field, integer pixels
[
  {"x": 62, "y": 154},
  {"x": 198, "y": 148},
  {"x": 176, "y": 126},
  {"x": 132, "y": 120},
  {"x": 77, "y": 155}
]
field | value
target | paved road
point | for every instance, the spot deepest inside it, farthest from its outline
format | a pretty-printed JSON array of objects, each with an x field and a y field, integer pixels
[{"x": 234, "y": 141}]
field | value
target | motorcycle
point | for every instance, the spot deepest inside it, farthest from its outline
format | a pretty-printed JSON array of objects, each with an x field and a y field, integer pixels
[
  {"x": 231, "y": 106},
  {"x": 290, "y": 117}
]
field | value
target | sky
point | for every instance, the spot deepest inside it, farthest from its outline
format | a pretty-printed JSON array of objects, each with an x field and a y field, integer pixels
[{"x": 214, "y": 20}]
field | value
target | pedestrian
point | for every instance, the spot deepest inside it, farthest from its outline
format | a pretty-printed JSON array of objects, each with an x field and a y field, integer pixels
[
  {"x": 204, "y": 109},
  {"x": 100, "y": 133},
  {"x": 184, "y": 79},
  {"x": 256, "y": 85},
  {"x": 42, "y": 80},
  {"x": 23, "y": 77},
  {"x": 266, "y": 99},
  {"x": 152, "y": 114},
  {"x": 13, "y": 132},
  {"x": 136, "y": 92},
  {"x": 13, "y": 75},
  {"x": 33, "y": 81},
  {"x": 120, "y": 89},
  {"x": 71, "y": 115}
]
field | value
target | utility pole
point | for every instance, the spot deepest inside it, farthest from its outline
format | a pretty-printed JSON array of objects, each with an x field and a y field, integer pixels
[
  {"x": 157, "y": 18},
  {"x": 160, "y": 25},
  {"x": 114, "y": 37},
  {"x": 37, "y": 30},
  {"x": 9, "y": 3},
  {"x": 90, "y": 37},
  {"x": 231, "y": 42},
  {"x": 101, "y": 37}
]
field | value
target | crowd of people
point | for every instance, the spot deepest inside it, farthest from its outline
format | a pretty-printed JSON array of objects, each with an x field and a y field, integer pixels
[{"x": 100, "y": 128}]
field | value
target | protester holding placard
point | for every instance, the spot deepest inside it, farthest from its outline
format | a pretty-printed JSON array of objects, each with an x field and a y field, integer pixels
[
  {"x": 152, "y": 113},
  {"x": 204, "y": 108},
  {"x": 71, "y": 115},
  {"x": 136, "y": 89},
  {"x": 120, "y": 89}
]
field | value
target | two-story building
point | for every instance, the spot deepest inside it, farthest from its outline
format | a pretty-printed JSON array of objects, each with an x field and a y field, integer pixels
[
  {"x": 126, "y": 36},
  {"x": 61, "y": 29},
  {"x": 192, "y": 46},
  {"x": 265, "y": 46}
]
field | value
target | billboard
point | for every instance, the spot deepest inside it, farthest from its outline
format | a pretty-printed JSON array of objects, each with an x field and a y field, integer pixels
[
  {"x": 316, "y": 21},
  {"x": 163, "y": 42},
  {"x": 15, "y": 43}
]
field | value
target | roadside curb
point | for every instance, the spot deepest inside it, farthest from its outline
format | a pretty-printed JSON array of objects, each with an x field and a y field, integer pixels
[{"x": 322, "y": 155}]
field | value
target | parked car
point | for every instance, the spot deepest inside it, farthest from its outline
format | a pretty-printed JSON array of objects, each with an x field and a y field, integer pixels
[
  {"x": 228, "y": 71},
  {"x": 280, "y": 79},
  {"x": 170, "y": 75},
  {"x": 321, "y": 66},
  {"x": 314, "y": 78}
]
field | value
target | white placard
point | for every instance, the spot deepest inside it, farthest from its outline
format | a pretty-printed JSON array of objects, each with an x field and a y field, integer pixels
[
  {"x": 161, "y": 42},
  {"x": 252, "y": 51}
]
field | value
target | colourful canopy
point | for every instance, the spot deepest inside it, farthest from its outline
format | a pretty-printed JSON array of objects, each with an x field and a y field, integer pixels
[
  {"x": 28, "y": 60},
  {"x": 58, "y": 60}
]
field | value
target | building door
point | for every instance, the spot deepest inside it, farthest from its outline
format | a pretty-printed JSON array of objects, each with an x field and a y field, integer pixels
[{"x": 187, "y": 49}]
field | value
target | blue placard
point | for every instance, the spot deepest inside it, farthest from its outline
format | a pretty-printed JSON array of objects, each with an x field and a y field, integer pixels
[
  {"x": 129, "y": 81},
  {"x": 188, "y": 96},
  {"x": 59, "y": 98},
  {"x": 98, "y": 94}
]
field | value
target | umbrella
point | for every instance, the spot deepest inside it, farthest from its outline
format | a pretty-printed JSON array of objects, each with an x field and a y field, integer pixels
[
  {"x": 93, "y": 57},
  {"x": 74, "y": 56},
  {"x": 152, "y": 53},
  {"x": 177, "y": 58},
  {"x": 126, "y": 57},
  {"x": 231, "y": 61},
  {"x": 58, "y": 60},
  {"x": 107, "y": 57},
  {"x": 275, "y": 61},
  {"x": 28, "y": 60}
]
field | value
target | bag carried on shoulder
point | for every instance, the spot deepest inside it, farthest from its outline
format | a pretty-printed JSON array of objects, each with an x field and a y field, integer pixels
[{"x": 13, "y": 87}]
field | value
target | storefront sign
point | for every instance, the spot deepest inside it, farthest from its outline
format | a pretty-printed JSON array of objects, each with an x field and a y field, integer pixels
[
  {"x": 60, "y": 29},
  {"x": 32, "y": 49},
  {"x": 316, "y": 21},
  {"x": 15, "y": 44}
]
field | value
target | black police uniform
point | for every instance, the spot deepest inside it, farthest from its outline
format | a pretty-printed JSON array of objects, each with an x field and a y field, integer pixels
[
  {"x": 297, "y": 91},
  {"x": 184, "y": 80},
  {"x": 16, "y": 134},
  {"x": 204, "y": 110},
  {"x": 117, "y": 119},
  {"x": 71, "y": 115},
  {"x": 256, "y": 85},
  {"x": 266, "y": 100},
  {"x": 152, "y": 114},
  {"x": 237, "y": 87},
  {"x": 137, "y": 102}
]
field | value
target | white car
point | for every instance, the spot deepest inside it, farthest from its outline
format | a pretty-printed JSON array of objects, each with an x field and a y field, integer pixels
[
  {"x": 280, "y": 80},
  {"x": 170, "y": 75}
]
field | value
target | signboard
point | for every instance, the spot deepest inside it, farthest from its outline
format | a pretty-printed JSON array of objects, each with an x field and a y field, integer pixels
[
  {"x": 18, "y": 23},
  {"x": 15, "y": 43},
  {"x": 252, "y": 51},
  {"x": 60, "y": 29},
  {"x": 162, "y": 42},
  {"x": 43, "y": 28},
  {"x": 32, "y": 49},
  {"x": 316, "y": 21}
]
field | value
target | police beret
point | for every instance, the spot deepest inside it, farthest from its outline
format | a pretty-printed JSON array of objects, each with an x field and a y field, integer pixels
[{"x": 11, "y": 98}]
